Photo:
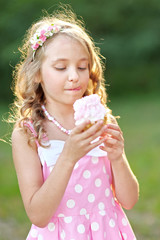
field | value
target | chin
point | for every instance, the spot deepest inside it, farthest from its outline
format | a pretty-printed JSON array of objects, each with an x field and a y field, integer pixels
[{"x": 71, "y": 98}]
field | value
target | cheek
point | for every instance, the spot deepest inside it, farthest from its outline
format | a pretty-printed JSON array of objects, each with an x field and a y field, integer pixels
[
  {"x": 85, "y": 75},
  {"x": 48, "y": 77},
  {"x": 86, "y": 78}
]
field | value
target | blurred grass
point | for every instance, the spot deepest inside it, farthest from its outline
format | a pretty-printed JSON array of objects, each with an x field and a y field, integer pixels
[{"x": 140, "y": 123}]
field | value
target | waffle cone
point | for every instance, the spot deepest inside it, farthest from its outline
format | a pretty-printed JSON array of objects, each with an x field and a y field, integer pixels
[{"x": 92, "y": 123}]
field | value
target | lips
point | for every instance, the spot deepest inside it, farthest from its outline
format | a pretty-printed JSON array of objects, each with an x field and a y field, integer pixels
[{"x": 74, "y": 89}]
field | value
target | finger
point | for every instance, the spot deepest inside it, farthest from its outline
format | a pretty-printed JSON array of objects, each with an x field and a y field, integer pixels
[
  {"x": 80, "y": 128},
  {"x": 114, "y": 133},
  {"x": 93, "y": 130},
  {"x": 96, "y": 143},
  {"x": 114, "y": 127},
  {"x": 95, "y": 140},
  {"x": 111, "y": 141},
  {"x": 106, "y": 148},
  {"x": 97, "y": 135}
]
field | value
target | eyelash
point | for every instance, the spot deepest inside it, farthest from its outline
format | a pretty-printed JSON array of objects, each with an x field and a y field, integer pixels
[
  {"x": 61, "y": 69},
  {"x": 84, "y": 68}
]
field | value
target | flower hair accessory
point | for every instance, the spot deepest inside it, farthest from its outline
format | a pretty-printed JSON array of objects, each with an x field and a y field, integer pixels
[{"x": 42, "y": 34}]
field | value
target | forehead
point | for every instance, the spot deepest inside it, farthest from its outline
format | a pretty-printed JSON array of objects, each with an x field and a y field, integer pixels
[{"x": 62, "y": 45}]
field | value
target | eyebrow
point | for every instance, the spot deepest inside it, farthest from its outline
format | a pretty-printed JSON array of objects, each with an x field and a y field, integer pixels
[{"x": 65, "y": 59}]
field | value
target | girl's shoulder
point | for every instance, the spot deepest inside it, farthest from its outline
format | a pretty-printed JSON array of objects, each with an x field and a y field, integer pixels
[
  {"x": 17, "y": 133},
  {"x": 22, "y": 134},
  {"x": 19, "y": 140},
  {"x": 19, "y": 136}
]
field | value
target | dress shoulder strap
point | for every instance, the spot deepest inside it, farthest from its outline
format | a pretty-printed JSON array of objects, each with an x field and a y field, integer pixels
[{"x": 29, "y": 125}]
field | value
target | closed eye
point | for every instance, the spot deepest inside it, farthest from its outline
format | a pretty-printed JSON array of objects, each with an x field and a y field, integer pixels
[
  {"x": 60, "y": 68},
  {"x": 82, "y": 68}
]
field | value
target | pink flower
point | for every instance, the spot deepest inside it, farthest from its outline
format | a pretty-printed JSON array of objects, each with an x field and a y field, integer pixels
[
  {"x": 50, "y": 28},
  {"x": 43, "y": 37},
  {"x": 43, "y": 31},
  {"x": 42, "y": 34},
  {"x": 35, "y": 46}
]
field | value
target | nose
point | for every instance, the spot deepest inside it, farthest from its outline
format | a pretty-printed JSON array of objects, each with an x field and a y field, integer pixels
[{"x": 73, "y": 75}]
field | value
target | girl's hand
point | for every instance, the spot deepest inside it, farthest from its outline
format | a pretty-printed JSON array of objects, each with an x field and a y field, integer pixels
[
  {"x": 114, "y": 142},
  {"x": 80, "y": 142}
]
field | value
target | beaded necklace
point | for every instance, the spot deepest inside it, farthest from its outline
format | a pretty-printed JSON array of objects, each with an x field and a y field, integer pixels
[{"x": 52, "y": 119}]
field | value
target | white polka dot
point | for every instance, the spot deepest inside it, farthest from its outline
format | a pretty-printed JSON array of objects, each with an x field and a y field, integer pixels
[
  {"x": 107, "y": 176},
  {"x": 86, "y": 174},
  {"x": 124, "y": 222},
  {"x": 107, "y": 192},
  {"x": 68, "y": 219},
  {"x": 101, "y": 206},
  {"x": 102, "y": 213},
  {"x": 70, "y": 203},
  {"x": 104, "y": 169},
  {"x": 51, "y": 227},
  {"x": 112, "y": 223},
  {"x": 34, "y": 233},
  {"x": 40, "y": 237},
  {"x": 95, "y": 160},
  {"x": 98, "y": 182},
  {"x": 78, "y": 188},
  {"x": 81, "y": 228},
  {"x": 87, "y": 216},
  {"x": 113, "y": 202},
  {"x": 94, "y": 226},
  {"x": 83, "y": 211},
  {"x": 91, "y": 198},
  {"x": 105, "y": 235},
  {"x": 115, "y": 214},
  {"x": 76, "y": 165},
  {"x": 124, "y": 236},
  {"x": 63, "y": 235},
  {"x": 60, "y": 215}
]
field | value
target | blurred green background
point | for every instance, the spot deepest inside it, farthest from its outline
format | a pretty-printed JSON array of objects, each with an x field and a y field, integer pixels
[{"x": 128, "y": 34}]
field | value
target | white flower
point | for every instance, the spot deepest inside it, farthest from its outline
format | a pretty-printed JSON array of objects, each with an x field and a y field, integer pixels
[{"x": 42, "y": 34}]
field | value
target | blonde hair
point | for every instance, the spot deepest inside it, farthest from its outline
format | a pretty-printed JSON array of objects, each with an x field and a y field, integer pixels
[{"x": 28, "y": 92}]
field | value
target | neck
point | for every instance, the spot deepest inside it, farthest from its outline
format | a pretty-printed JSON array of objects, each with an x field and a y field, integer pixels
[
  {"x": 62, "y": 113},
  {"x": 59, "y": 111}
]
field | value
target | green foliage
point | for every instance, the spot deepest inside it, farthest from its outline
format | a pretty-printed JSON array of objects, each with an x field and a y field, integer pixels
[{"x": 127, "y": 32}]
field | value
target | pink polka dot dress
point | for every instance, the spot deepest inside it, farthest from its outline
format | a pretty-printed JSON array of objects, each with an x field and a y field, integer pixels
[{"x": 88, "y": 209}]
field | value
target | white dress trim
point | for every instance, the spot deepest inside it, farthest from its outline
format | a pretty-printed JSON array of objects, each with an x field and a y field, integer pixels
[{"x": 51, "y": 153}]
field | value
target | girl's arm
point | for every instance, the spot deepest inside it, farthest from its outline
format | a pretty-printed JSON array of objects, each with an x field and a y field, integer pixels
[
  {"x": 40, "y": 198},
  {"x": 125, "y": 184}
]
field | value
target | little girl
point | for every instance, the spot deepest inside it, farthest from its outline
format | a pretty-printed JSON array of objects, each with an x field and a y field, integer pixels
[{"x": 72, "y": 186}]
